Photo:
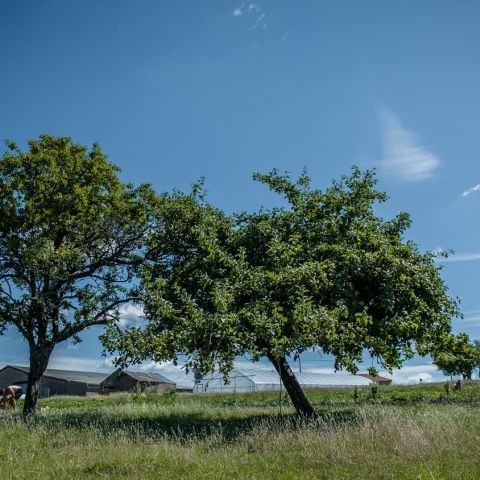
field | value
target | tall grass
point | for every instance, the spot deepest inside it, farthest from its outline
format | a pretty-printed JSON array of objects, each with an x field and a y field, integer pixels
[
  {"x": 200, "y": 437},
  {"x": 329, "y": 397}
]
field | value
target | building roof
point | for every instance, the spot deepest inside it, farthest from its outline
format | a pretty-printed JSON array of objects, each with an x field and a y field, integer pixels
[
  {"x": 90, "y": 378},
  {"x": 375, "y": 378},
  {"x": 306, "y": 379},
  {"x": 151, "y": 377}
]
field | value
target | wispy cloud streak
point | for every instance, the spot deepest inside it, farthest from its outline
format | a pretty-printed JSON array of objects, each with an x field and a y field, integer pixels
[
  {"x": 253, "y": 10},
  {"x": 459, "y": 257},
  {"x": 476, "y": 188},
  {"x": 404, "y": 156},
  {"x": 469, "y": 320}
]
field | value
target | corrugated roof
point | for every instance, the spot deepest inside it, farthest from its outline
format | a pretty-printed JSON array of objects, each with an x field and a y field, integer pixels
[
  {"x": 259, "y": 377},
  {"x": 91, "y": 378},
  {"x": 375, "y": 378},
  {"x": 148, "y": 377}
]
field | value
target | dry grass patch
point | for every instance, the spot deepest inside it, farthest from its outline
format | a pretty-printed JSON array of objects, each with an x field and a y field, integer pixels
[{"x": 207, "y": 441}]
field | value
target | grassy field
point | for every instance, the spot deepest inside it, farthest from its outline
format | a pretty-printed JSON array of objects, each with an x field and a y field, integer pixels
[{"x": 402, "y": 432}]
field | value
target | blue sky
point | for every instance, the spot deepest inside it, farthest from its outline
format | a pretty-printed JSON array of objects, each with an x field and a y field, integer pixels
[{"x": 174, "y": 90}]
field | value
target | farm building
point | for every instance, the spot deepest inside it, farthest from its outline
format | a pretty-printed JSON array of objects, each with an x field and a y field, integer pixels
[
  {"x": 377, "y": 379},
  {"x": 54, "y": 382},
  {"x": 127, "y": 381},
  {"x": 184, "y": 381},
  {"x": 255, "y": 380}
]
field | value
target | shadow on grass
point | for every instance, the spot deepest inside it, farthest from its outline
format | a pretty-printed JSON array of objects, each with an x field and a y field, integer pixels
[{"x": 183, "y": 428}]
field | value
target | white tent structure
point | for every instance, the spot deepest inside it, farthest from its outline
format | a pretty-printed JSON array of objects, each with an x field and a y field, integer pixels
[{"x": 256, "y": 380}]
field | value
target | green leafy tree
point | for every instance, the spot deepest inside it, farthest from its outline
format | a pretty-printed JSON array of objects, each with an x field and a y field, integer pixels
[
  {"x": 456, "y": 355},
  {"x": 322, "y": 272},
  {"x": 69, "y": 234},
  {"x": 476, "y": 344}
]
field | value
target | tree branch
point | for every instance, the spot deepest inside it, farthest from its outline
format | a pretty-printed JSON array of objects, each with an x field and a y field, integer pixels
[{"x": 100, "y": 318}]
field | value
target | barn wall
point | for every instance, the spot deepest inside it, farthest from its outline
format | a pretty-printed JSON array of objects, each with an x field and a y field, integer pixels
[
  {"x": 124, "y": 383},
  {"x": 111, "y": 381},
  {"x": 121, "y": 382},
  {"x": 184, "y": 389},
  {"x": 48, "y": 386},
  {"x": 162, "y": 387},
  {"x": 52, "y": 386},
  {"x": 91, "y": 388},
  {"x": 75, "y": 388}
]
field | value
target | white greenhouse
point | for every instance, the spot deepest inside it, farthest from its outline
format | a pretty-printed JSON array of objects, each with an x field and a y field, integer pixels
[{"x": 256, "y": 380}]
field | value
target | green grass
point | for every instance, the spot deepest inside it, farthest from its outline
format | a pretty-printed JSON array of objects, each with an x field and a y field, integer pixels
[
  {"x": 386, "y": 395},
  {"x": 421, "y": 436}
]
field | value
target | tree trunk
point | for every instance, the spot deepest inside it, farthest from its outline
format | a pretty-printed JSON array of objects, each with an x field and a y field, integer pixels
[
  {"x": 293, "y": 388},
  {"x": 39, "y": 357}
]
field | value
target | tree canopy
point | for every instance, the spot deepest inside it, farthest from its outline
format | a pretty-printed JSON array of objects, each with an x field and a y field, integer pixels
[
  {"x": 456, "y": 355},
  {"x": 70, "y": 237},
  {"x": 323, "y": 271}
]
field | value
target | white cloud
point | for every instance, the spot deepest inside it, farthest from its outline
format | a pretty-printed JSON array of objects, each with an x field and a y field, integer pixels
[
  {"x": 106, "y": 362},
  {"x": 64, "y": 361},
  {"x": 151, "y": 365},
  {"x": 130, "y": 315},
  {"x": 238, "y": 12},
  {"x": 414, "y": 373},
  {"x": 459, "y": 257},
  {"x": 259, "y": 22},
  {"x": 476, "y": 188},
  {"x": 75, "y": 362},
  {"x": 286, "y": 34},
  {"x": 423, "y": 377},
  {"x": 404, "y": 156},
  {"x": 253, "y": 11}
]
